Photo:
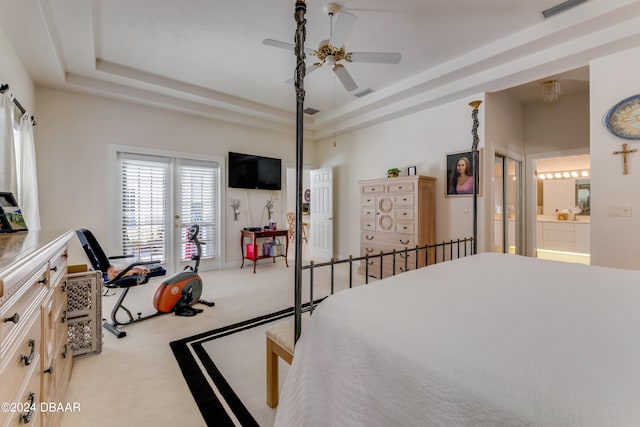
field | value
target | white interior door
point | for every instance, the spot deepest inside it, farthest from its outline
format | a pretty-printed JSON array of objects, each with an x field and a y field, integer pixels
[{"x": 321, "y": 213}]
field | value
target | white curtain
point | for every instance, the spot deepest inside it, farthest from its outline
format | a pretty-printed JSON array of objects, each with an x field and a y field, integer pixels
[
  {"x": 27, "y": 181},
  {"x": 8, "y": 180}
]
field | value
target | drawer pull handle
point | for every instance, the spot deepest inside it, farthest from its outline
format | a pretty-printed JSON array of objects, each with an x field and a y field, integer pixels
[
  {"x": 404, "y": 255},
  {"x": 404, "y": 213},
  {"x": 64, "y": 353},
  {"x": 28, "y": 359},
  {"x": 26, "y": 418},
  {"x": 369, "y": 238},
  {"x": 63, "y": 288},
  {"x": 44, "y": 281},
  {"x": 64, "y": 316},
  {"x": 368, "y": 250},
  {"x": 15, "y": 318},
  {"x": 404, "y": 243},
  {"x": 370, "y": 262},
  {"x": 49, "y": 370},
  {"x": 400, "y": 187},
  {"x": 54, "y": 269}
]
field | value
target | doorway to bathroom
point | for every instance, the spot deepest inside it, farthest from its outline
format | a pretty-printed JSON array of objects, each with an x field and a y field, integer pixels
[{"x": 563, "y": 208}]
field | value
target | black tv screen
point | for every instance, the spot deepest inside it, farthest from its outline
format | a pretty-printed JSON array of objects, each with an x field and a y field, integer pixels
[{"x": 255, "y": 172}]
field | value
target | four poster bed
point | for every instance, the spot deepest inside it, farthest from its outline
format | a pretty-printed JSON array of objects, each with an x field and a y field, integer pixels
[{"x": 484, "y": 340}]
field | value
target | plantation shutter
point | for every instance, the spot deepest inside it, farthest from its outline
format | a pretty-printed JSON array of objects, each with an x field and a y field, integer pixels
[
  {"x": 144, "y": 207},
  {"x": 198, "y": 205}
]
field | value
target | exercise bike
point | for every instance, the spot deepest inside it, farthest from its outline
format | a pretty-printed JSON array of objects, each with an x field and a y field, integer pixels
[{"x": 178, "y": 293}]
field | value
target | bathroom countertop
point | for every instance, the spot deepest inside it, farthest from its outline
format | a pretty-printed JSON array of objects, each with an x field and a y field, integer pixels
[{"x": 583, "y": 219}]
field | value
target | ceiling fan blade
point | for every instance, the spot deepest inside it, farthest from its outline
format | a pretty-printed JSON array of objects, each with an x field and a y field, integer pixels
[
  {"x": 344, "y": 24},
  {"x": 310, "y": 68},
  {"x": 345, "y": 78},
  {"x": 376, "y": 57},
  {"x": 283, "y": 45}
]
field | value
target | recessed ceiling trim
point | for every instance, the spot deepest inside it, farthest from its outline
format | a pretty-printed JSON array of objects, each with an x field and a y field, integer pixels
[{"x": 219, "y": 99}]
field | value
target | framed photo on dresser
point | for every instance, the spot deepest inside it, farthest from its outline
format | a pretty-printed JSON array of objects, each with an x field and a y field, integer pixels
[
  {"x": 460, "y": 174},
  {"x": 11, "y": 218}
]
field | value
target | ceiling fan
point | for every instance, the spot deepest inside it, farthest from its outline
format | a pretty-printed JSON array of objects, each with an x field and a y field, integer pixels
[{"x": 332, "y": 51}]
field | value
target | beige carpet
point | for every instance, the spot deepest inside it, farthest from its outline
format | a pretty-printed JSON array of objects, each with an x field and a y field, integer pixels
[{"x": 136, "y": 381}]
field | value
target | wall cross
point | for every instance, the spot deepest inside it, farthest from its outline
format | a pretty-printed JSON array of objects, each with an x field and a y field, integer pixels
[{"x": 624, "y": 153}]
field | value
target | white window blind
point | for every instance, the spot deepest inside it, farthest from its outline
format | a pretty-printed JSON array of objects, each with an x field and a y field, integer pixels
[
  {"x": 198, "y": 205},
  {"x": 144, "y": 207}
]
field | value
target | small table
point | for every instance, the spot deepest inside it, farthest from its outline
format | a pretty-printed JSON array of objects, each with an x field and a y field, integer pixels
[{"x": 254, "y": 235}]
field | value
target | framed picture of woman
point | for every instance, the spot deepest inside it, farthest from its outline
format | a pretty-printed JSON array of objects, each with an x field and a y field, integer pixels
[{"x": 460, "y": 174}]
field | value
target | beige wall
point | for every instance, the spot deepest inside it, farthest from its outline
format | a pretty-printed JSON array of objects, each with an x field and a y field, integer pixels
[
  {"x": 73, "y": 136},
  {"x": 13, "y": 73},
  {"x": 613, "y": 239},
  {"x": 422, "y": 140}
]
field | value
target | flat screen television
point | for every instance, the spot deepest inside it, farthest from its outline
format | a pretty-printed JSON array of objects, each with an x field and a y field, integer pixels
[{"x": 254, "y": 172}]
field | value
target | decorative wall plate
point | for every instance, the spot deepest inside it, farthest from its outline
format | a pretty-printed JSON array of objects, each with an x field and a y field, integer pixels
[{"x": 623, "y": 119}]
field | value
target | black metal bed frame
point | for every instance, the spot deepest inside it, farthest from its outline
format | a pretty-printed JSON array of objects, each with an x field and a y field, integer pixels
[{"x": 453, "y": 249}]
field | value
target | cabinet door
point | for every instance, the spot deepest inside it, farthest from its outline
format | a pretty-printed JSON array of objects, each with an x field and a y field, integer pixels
[{"x": 385, "y": 215}]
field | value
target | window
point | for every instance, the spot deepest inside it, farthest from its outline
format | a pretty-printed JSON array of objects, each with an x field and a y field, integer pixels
[
  {"x": 144, "y": 185},
  {"x": 159, "y": 196}
]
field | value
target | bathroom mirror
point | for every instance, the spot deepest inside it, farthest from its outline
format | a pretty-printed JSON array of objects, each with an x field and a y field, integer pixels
[{"x": 583, "y": 195}]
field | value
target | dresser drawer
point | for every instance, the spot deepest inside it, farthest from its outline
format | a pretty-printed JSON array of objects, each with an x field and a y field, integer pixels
[
  {"x": 405, "y": 227},
  {"x": 24, "y": 303},
  {"x": 401, "y": 187},
  {"x": 372, "y": 189},
  {"x": 404, "y": 213},
  {"x": 388, "y": 240},
  {"x": 368, "y": 200},
  {"x": 368, "y": 212},
  {"x": 27, "y": 401},
  {"x": 23, "y": 358},
  {"x": 368, "y": 225},
  {"x": 405, "y": 200},
  {"x": 58, "y": 267}
]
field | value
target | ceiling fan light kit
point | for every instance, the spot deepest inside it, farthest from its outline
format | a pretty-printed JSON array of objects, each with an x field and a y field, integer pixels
[{"x": 332, "y": 50}]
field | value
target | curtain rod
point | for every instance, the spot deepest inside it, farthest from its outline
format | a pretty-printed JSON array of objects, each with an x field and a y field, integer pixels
[{"x": 5, "y": 87}]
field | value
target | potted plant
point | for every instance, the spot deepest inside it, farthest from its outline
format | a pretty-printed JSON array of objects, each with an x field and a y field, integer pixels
[{"x": 393, "y": 172}]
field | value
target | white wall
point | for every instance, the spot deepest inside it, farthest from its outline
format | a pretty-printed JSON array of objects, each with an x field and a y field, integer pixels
[
  {"x": 13, "y": 73},
  {"x": 504, "y": 121},
  {"x": 422, "y": 140},
  {"x": 72, "y": 139},
  {"x": 557, "y": 126},
  {"x": 614, "y": 240}
]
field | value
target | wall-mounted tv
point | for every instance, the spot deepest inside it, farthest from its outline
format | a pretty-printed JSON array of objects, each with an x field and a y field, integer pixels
[{"x": 255, "y": 172}]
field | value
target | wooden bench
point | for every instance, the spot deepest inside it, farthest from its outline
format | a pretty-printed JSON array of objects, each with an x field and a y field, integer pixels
[{"x": 279, "y": 344}]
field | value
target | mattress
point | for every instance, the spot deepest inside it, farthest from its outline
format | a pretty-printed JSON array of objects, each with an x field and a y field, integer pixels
[{"x": 486, "y": 340}]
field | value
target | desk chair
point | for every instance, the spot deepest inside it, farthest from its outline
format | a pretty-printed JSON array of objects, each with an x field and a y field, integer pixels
[
  {"x": 291, "y": 222},
  {"x": 133, "y": 274}
]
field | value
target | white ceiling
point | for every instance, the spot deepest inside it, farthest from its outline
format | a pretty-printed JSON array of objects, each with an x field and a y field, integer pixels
[{"x": 206, "y": 57}]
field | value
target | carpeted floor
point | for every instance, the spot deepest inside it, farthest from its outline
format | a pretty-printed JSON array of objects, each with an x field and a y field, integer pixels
[
  {"x": 136, "y": 380},
  {"x": 225, "y": 370}
]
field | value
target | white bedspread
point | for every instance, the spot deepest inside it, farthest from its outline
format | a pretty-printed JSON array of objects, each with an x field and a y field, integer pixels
[{"x": 487, "y": 340}]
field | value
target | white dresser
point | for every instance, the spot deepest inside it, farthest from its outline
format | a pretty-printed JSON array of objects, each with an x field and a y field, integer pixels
[
  {"x": 396, "y": 213},
  {"x": 35, "y": 358}
]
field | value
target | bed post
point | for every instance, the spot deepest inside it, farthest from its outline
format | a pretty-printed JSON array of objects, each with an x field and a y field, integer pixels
[
  {"x": 300, "y": 10},
  {"x": 476, "y": 174}
]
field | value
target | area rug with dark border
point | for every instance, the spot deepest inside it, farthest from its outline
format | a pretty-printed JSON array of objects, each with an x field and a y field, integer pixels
[{"x": 219, "y": 404}]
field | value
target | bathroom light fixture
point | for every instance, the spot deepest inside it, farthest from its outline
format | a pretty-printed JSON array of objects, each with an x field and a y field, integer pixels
[
  {"x": 551, "y": 90},
  {"x": 562, "y": 174}
]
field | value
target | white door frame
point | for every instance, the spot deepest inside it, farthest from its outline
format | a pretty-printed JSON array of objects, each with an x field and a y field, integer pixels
[{"x": 114, "y": 242}]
